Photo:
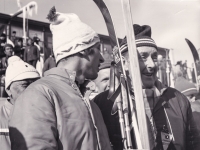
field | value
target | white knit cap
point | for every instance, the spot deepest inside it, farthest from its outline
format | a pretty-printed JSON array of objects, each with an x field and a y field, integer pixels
[
  {"x": 71, "y": 35},
  {"x": 19, "y": 70},
  {"x": 13, "y": 59}
]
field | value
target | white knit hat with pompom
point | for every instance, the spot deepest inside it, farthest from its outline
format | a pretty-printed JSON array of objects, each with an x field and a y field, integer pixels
[
  {"x": 19, "y": 70},
  {"x": 70, "y": 34}
]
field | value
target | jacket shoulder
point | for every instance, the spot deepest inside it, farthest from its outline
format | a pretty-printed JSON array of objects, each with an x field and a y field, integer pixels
[{"x": 176, "y": 97}]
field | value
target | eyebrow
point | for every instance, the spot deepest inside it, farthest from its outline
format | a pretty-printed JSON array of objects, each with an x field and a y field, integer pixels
[{"x": 105, "y": 78}]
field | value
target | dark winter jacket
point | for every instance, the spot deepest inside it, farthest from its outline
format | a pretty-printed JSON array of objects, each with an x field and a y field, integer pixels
[
  {"x": 178, "y": 109},
  {"x": 31, "y": 53},
  {"x": 49, "y": 63}
]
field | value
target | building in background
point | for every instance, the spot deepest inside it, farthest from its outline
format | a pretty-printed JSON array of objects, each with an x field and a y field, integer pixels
[{"x": 42, "y": 31}]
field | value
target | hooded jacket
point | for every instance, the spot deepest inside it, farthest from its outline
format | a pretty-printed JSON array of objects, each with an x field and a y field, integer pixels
[{"x": 54, "y": 115}]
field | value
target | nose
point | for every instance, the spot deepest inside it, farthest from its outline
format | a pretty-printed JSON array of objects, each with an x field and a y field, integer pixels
[
  {"x": 101, "y": 59},
  {"x": 150, "y": 64}
]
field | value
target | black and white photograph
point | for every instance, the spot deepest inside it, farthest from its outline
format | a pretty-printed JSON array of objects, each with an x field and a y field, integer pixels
[{"x": 99, "y": 74}]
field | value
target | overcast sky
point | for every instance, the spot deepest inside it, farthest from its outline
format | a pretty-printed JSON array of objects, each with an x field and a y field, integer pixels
[{"x": 171, "y": 20}]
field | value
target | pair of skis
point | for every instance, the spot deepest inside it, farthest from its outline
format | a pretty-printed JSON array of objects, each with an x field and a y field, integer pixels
[{"x": 121, "y": 94}]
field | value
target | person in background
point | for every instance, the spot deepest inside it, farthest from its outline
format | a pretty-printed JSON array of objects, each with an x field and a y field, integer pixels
[
  {"x": 53, "y": 113},
  {"x": 49, "y": 63},
  {"x": 16, "y": 80},
  {"x": 8, "y": 50},
  {"x": 92, "y": 88},
  {"x": 14, "y": 38},
  {"x": 2, "y": 44},
  {"x": 31, "y": 53},
  {"x": 183, "y": 85},
  {"x": 190, "y": 91},
  {"x": 19, "y": 49}
]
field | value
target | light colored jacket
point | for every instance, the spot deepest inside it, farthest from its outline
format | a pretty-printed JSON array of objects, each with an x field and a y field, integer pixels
[
  {"x": 5, "y": 111},
  {"x": 51, "y": 114}
]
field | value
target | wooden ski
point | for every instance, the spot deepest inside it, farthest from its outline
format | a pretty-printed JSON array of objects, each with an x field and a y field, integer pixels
[
  {"x": 135, "y": 72},
  {"x": 196, "y": 58},
  {"x": 124, "y": 86}
]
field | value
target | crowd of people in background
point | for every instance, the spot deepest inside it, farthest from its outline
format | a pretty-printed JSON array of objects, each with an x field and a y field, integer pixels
[
  {"x": 32, "y": 53},
  {"x": 66, "y": 107}
]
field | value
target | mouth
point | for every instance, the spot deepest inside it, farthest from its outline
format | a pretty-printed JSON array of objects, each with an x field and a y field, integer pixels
[{"x": 148, "y": 74}]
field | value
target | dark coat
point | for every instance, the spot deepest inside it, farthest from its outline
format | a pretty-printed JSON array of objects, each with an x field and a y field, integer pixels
[
  {"x": 3, "y": 65},
  {"x": 180, "y": 116},
  {"x": 49, "y": 63},
  {"x": 196, "y": 112},
  {"x": 31, "y": 53}
]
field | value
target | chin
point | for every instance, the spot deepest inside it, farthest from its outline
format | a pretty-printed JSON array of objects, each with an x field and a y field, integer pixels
[
  {"x": 148, "y": 85},
  {"x": 92, "y": 77}
]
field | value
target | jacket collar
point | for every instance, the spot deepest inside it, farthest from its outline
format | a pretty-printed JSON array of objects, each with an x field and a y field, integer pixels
[
  {"x": 162, "y": 100},
  {"x": 61, "y": 73}
]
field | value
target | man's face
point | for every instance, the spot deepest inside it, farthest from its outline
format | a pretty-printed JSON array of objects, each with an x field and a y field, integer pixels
[
  {"x": 2, "y": 37},
  {"x": 19, "y": 43},
  {"x": 102, "y": 81},
  {"x": 8, "y": 51},
  {"x": 17, "y": 87},
  {"x": 148, "y": 65},
  {"x": 94, "y": 58},
  {"x": 29, "y": 42}
]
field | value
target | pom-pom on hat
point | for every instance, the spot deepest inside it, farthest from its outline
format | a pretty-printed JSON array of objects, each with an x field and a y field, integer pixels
[
  {"x": 19, "y": 70},
  {"x": 70, "y": 34},
  {"x": 142, "y": 37}
]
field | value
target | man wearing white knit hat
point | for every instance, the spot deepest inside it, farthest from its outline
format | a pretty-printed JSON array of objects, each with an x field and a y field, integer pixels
[
  {"x": 18, "y": 76},
  {"x": 53, "y": 113}
]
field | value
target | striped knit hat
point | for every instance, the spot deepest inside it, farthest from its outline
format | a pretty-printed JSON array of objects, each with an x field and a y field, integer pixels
[{"x": 142, "y": 38}]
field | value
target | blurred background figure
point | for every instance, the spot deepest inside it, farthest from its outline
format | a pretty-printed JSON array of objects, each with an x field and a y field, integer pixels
[
  {"x": 49, "y": 63},
  {"x": 102, "y": 81},
  {"x": 19, "y": 49},
  {"x": 14, "y": 38},
  {"x": 92, "y": 88},
  {"x": 8, "y": 50},
  {"x": 2, "y": 44},
  {"x": 16, "y": 81},
  {"x": 31, "y": 53},
  {"x": 187, "y": 88},
  {"x": 40, "y": 62}
]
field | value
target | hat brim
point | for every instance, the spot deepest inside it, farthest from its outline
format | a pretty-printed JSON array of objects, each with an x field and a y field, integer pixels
[{"x": 23, "y": 76}]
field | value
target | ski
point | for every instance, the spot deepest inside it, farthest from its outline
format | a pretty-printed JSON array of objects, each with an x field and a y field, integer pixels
[
  {"x": 123, "y": 87},
  {"x": 135, "y": 72},
  {"x": 196, "y": 59}
]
